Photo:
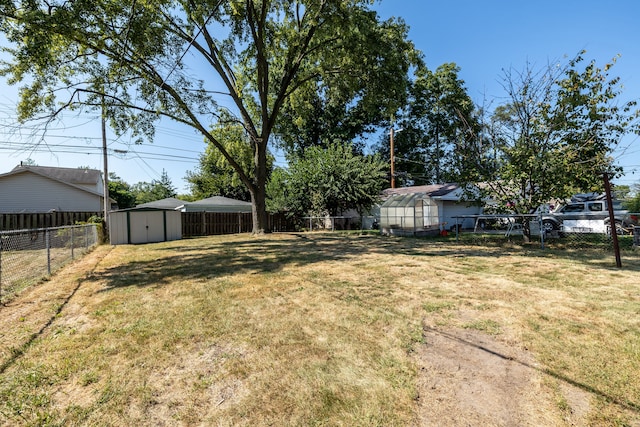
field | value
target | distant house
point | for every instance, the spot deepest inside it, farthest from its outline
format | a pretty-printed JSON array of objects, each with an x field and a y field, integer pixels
[
  {"x": 216, "y": 204},
  {"x": 424, "y": 209},
  {"x": 41, "y": 189},
  {"x": 168, "y": 203}
]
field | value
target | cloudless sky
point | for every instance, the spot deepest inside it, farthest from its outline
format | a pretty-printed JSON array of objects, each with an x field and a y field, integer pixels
[{"x": 482, "y": 37}]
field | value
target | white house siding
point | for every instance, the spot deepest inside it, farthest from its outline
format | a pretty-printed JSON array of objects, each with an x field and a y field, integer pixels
[
  {"x": 449, "y": 210},
  {"x": 29, "y": 192}
]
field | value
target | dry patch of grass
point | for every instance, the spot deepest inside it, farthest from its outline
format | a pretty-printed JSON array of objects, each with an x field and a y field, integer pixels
[{"x": 311, "y": 329}]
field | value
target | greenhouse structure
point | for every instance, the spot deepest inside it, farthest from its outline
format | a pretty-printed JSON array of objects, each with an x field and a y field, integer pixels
[
  {"x": 409, "y": 214},
  {"x": 425, "y": 210}
]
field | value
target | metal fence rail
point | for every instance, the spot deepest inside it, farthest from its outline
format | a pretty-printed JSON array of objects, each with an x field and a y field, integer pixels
[
  {"x": 572, "y": 233},
  {"x": 28, "y": 256},
  {"x": 333, "y": 223}
]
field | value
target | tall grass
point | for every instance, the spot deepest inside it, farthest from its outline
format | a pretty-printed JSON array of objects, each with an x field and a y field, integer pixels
[{"x": 312, "y": 329}]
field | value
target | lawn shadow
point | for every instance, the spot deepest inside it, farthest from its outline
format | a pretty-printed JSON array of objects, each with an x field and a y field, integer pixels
[
  {"x": 218, "y": 258},
  {"x": 201, "y": 258}
]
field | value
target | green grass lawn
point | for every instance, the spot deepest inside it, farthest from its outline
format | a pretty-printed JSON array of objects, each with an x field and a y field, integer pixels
[{"x": 307, "y": 329}]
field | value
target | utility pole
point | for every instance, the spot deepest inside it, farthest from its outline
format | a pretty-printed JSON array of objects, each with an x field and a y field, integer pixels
[
  {"x": 612, "y": 221},
  {"x": 393, "y": 176},
  {"x": 105, "y": 189}
]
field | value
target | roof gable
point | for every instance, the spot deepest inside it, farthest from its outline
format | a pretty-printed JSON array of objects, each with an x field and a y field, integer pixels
[
  {"x": 69, "y": 175},
  {"x": 221, "y": 201},
  {"x": 168, "y": 203},
  {"x": 56, "y": 174},
  {"x": 433, "y": 190}
]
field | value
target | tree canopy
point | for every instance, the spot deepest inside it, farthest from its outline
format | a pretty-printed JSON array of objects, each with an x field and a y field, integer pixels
[
  {"x": 214, "y": 176},
  {"x": 157, "y": 189},
  {"x": 191, "y": 61},
  {"x": 327, "y": 181},
  {"x": 121, "y": 192},
  {"x": 336, "y": 107},
  {"x": 555, "y": 135},
  {"x": 438, "y": 127}
]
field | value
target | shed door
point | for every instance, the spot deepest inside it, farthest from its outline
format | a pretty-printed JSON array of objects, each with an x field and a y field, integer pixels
[{"x": 147, "y": 227}]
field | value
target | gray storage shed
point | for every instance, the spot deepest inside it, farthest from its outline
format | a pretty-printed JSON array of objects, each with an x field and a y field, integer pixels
[{"x": 144, "y": 225}]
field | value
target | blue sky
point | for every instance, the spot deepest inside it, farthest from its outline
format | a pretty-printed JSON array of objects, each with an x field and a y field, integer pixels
[
  {"x": 486, "y": 37},
  {"x": 482, "y": 37}
]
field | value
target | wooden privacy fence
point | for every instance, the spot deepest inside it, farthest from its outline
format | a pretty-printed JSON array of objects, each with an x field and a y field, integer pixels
[
  {"x": 212, "y": 223},
  {"x": 209, "y": 223},
  {"x": 193, "y": 223},
  {"x": 24, "y": 221}
]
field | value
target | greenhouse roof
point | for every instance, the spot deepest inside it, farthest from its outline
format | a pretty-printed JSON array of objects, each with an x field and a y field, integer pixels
[{"x": 401, "y": 200}]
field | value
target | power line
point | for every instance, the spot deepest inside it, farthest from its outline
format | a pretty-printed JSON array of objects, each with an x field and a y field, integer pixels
[{"x": 68, "y": 149}]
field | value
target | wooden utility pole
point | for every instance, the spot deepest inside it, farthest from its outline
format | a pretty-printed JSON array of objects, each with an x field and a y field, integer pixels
[
  {"x": 393, "y": 176},
  {"x": 105, "y": 188},
  {"x": 612, "y": 220}
]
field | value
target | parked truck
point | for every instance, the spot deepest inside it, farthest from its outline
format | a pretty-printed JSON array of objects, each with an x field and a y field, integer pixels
[{"x": 587, "y": 213}]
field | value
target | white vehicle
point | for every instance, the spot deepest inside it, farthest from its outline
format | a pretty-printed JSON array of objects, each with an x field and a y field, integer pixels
[{"x": 586, "y": 214}]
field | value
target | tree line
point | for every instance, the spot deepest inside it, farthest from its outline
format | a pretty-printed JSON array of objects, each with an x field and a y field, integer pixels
[
  {"x": 128, "y": 196},
  {"x": 316, "y": 79}
]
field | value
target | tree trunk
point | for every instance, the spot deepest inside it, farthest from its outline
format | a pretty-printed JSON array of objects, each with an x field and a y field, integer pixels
[{"x": 258, "y": 192}]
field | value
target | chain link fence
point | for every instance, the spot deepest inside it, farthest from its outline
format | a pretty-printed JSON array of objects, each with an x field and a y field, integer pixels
[
  {"x": 28, "y": 256},
  {"x": 582, "y": 234},
  {"x": 333, "y": 223}
]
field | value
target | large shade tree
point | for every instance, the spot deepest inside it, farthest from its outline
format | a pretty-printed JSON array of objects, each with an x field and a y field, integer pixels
[
  {"x": 190, "y": 61},
  {"x": 555, "y": 135},
  {"x": 444, "y": 111},
  {"x": 323, "y": 111},
  {"x": 214, "y": 176}
]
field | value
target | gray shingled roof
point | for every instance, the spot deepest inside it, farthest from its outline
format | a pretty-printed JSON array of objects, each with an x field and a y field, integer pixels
[
  {"x": 69, "y": 175},
  {"x": 168, "y": 203},
  {"x": 220, "y": 201},
  {"x": 433, "y": 190}
]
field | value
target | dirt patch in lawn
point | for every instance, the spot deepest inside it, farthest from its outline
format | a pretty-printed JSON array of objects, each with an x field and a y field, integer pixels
[{"x": 468, "y": 377}]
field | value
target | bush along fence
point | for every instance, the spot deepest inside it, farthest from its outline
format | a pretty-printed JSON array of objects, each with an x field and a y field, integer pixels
[{"x": 28, "y": 256}]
